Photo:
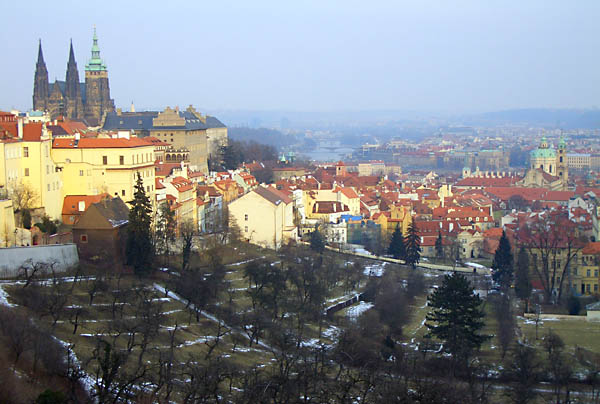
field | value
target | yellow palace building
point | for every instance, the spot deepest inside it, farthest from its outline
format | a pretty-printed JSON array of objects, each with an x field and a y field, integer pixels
[{"x": 91, "y": 166}]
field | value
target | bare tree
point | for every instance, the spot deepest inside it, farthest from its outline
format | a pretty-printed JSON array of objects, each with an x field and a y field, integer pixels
[
  {"x": 23, "y": 195},
  {"x": 187, "y": 231},
  {"x": 553, "y": 242}
]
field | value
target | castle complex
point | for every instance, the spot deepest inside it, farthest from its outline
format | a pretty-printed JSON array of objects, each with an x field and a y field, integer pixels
[{"x": 88, "y": 101}]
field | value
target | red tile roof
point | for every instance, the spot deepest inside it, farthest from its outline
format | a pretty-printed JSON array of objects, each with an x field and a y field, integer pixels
[
  {"x": 32, "y": 132},
  {"x": 99, "y": 143},
  {"x": 71, "y": 203}
]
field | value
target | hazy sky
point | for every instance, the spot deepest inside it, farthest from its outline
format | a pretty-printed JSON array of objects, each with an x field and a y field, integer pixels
[{"x": 453, "y": 56}]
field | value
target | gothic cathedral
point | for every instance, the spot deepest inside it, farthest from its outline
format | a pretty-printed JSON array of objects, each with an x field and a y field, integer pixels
[{"x": 89, "y": 101}]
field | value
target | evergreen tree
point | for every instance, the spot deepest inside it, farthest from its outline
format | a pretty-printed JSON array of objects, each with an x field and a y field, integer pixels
[
  {"x": 397, "y": 248},
  {"x": 439, "y": 247},
  {"x": 522, "y": 281},
  {"x": 26, "y": 217},
  {"x": 413, "y": 245},
  {"x": 317, "y": 243},
  {"x": 503, "y": 263},
  {"x": 457, "y": 317},
  {"x": 139, "y": 251}
]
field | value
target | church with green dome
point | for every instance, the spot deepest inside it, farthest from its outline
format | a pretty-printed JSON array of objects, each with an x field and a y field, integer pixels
[{"x": 548, "y": 166}]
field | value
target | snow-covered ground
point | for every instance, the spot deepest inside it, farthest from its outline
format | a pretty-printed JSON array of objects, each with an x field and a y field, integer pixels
[
  {"x": 3, "y": 298},
  {"x": 360, "y": 308},
  {"x": 375, "y": 269}
]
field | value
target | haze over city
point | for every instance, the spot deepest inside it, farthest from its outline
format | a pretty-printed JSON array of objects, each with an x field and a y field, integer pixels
[{"x": 428, "y": 56}]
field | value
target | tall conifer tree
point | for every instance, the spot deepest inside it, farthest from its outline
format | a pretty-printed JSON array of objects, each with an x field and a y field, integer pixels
[
  {"x": 439, "y": 247},
  {"x": 397, "y": 249},
  {"x": 522, "y": 282},
  {"x": 413, "y": 245},
  {"x": 139, "y": 250},
  {"x": 457, "y": 317},
  {"x": 503, "y": 263}
]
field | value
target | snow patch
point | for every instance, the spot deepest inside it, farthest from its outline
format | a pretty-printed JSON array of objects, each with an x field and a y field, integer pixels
[{"x": 360, "y": 308}]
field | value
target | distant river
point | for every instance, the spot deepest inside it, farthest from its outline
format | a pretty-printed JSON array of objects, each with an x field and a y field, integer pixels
[{"x": 328, "y": 151}]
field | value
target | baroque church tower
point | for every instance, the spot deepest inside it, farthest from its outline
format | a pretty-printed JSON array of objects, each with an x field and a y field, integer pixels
[{"x": 88, "y": 101}]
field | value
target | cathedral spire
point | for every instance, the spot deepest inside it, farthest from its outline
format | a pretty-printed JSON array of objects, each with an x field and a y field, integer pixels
[
  {"x": 72, "y": 90},
  {"x": 41, "y": 90},
  {"x": 71, "y": 54},
  {"x": 40, "y": 54}
]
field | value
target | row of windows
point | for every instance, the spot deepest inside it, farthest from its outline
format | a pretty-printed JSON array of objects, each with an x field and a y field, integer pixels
[
  {"x": 135, "y": 159},
  {"x": 55, "y": 186},
  {"x": 143, "y": 174}
]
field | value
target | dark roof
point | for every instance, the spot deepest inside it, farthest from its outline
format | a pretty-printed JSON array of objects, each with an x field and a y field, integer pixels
[
  {"x": 139, "y": 121},
  {"x": 272, "y": 196},
  {"x": 143, "y": 121},
  {"x": 62, "y": 85},
  {"x": 212, "y": 122},
  {"x": 57, "y": 130},
  {"x": 114, "y": 210}
]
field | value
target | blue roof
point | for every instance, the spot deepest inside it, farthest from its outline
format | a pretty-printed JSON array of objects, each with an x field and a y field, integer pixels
[{"x": 143, "y": 121}]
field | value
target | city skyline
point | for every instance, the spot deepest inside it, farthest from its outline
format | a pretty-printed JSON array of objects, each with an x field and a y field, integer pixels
[{"x": 468, "y": 57}]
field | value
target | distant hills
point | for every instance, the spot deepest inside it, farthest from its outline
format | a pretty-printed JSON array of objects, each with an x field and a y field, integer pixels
[{"x": 556, "y": 118}]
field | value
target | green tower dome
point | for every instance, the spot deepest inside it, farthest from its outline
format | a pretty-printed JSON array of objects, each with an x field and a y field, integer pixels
[{"x": 95, "y": 64}]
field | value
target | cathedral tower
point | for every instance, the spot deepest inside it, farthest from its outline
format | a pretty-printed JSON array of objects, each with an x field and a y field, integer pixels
[
  {"x": 74, "y": 104},
  {"x": 41, "y": 88},
  {"x": 97, "y": 90}
]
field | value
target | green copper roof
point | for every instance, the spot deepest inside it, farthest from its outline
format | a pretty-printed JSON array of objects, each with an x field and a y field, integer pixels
[
  {"x": 562, "y": 144},
  {"x": 543, "y": 153},
  {"x": 95, "y": 64}
]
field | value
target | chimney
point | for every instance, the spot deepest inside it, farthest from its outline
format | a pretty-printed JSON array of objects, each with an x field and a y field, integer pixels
[
  {"x": 81, "y": 206},
  {"x": 20, "y": 128},
  {"x": 119, "y": 111},
  {"x": 77, "y": 136}
]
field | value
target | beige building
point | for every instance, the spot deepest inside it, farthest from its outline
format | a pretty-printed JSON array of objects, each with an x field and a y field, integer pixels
[
  {"x": 579, "y": 161},
  {"x": 265, "y": 217},
  {"x": 345, "y": 195},
  {"x": 471, "y": 243},
  {"x": 8, "y": 235},
  {"x": 193, "y": 137}
]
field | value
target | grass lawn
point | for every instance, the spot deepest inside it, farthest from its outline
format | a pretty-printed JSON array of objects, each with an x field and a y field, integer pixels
[{"x": 574, "y": 333}]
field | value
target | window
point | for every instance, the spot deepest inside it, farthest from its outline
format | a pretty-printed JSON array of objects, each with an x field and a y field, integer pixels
[
  {"x": 48, "y": 186},
  {"x": 246, "y": 217},
  {"x": 27, "y": 172},
  {"x": 81, "y": 173},
  {"x": 25, "y": 151},
  {"x": 595, "y": 287},
  {"x": 246, "y": 229},
  {"x": 595, "y": 273},
  {"x": 47, "y": 169},
  {"x": 588, "y": 273},
  {"x": 105, "y": 160},
  {"x": 121, "y": 160},
  {"x": 83, "y": 238},
  {"x": 123, "y": 192}
]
